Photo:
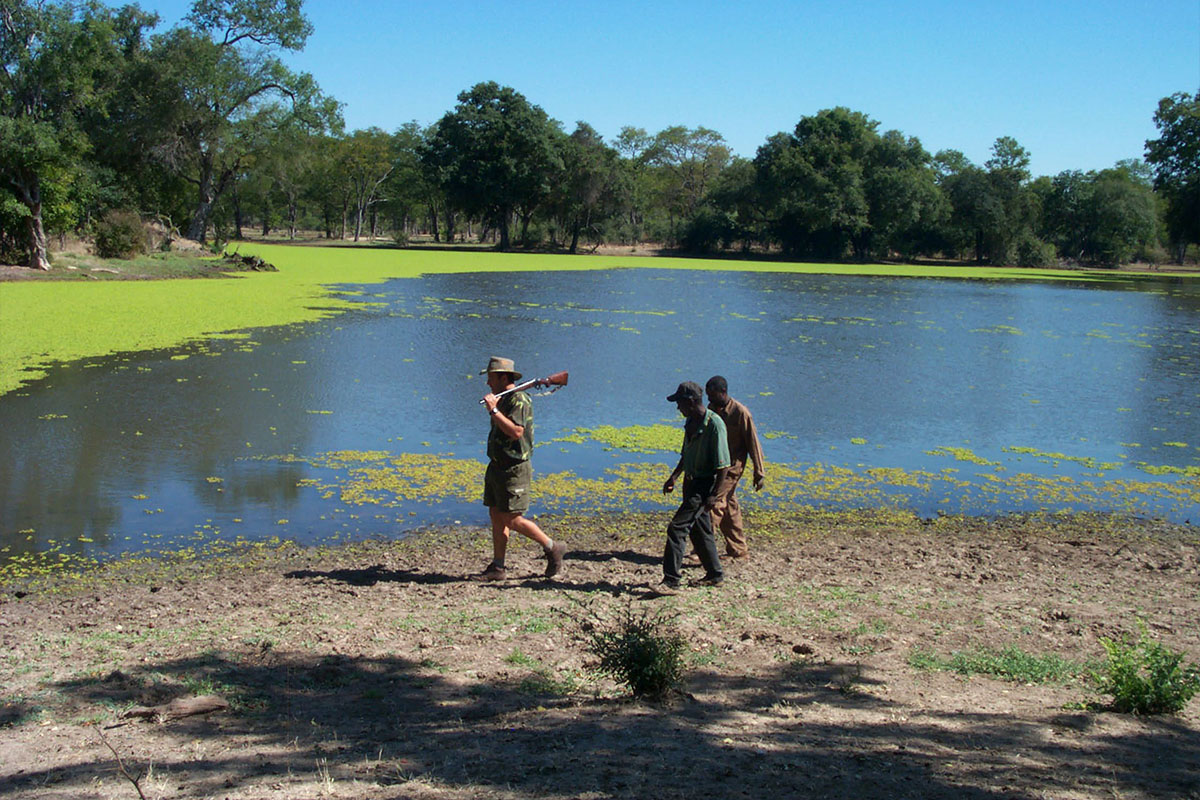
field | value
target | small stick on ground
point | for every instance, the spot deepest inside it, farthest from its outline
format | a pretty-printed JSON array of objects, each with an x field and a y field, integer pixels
[{"x": 121, "y": 766}]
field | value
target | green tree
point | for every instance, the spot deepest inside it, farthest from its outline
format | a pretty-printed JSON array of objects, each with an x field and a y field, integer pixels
[
  {"x": 408, "y": 193},
  {"x": 993, "y": 210},
  {"x": 1175, "y": 157},
  {"x": 494, "y": 154},
  {"x": 684, "y": 163},
  {"x": 904, "y": 205},
  {"x": 213, "y": 93},
  {"x": 587, "y": 193},
  {"x": 813, "y": 183},
  {"x": 1107, "y": 217},
  {"x": 733, "y": 212},
  {"x": 56, "y": 63},
  {"x": 368, "y": 159}
]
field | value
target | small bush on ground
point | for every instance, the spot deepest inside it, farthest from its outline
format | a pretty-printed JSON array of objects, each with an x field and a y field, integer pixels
[
  {"x": 121, "y": 234},
  {"x": 1146, "y": 677},
  {"x": 641, "y": 652},
  {"x": 1033, "y": 252}
]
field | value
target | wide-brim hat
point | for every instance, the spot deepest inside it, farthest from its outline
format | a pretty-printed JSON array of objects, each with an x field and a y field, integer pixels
[
  {"x": 498, "y": 364},
  {"x": 688, "y": 390}
]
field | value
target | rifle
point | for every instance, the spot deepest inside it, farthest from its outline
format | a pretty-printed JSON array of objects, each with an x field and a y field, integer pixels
[{"x": 553, "y": 381}]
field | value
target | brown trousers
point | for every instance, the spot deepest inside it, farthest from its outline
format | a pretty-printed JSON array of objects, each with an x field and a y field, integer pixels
[{"x": 727, "y": 516}]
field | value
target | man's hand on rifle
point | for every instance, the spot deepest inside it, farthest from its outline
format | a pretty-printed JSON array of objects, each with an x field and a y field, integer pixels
[{"x": 489, "y": 401}]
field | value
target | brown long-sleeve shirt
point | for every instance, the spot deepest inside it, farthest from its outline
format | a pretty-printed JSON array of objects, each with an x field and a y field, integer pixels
[{"x": 742, "y": 436}]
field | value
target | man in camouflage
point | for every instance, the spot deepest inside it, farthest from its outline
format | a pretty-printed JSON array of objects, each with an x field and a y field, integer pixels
[{"x": 509, "y": 473}]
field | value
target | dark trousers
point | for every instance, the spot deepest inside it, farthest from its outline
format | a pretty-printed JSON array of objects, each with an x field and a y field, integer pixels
[{"x": 693, "y": 521}]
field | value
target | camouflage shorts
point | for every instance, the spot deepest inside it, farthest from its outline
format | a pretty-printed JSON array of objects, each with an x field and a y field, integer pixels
[{"x": 507, "y": 488}]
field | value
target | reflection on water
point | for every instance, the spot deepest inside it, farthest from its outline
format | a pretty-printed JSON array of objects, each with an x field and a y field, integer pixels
[{"x": 179, "y": 447}]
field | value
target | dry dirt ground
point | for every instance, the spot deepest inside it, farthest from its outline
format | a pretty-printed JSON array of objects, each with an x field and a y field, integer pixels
[{"x": 374, "y": 670}]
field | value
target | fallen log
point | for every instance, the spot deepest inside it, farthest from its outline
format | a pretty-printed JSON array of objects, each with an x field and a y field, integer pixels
[{"x": 179, "y": 708}]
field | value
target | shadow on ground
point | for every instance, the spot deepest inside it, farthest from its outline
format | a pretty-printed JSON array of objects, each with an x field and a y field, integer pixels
[{"x": 392, "y": 721}]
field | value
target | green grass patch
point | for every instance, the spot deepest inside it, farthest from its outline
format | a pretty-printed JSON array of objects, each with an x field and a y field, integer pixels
[{"x": 1009, "y": 663}]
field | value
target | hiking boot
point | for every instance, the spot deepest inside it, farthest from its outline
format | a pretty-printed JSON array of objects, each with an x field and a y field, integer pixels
[
  {"x": 692, "y": 560},
  {"x": 492, "y": 573},
  {"x": 709, "y": 580},
  {"x": 664, "y": 589},
  {"x": 554, "y": 559}
]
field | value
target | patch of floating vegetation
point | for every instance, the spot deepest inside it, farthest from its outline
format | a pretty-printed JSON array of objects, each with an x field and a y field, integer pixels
[
  {"x": 1009, "y": 329},
  {"x": 962, "y": 454},
  {"x": 1051, "y": 458},
  {"x": 394, "y": 480},
  {"x": 631, "y": 438}
]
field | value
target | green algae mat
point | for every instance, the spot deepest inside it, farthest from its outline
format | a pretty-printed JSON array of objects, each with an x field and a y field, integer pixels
[{"x": 43, "y": 323}]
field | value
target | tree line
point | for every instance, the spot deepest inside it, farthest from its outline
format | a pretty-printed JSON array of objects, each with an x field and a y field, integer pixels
[{"x": 203, "y": 129}]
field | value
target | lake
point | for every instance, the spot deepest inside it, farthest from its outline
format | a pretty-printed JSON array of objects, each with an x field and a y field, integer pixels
[{"x": 939, "y": 396}]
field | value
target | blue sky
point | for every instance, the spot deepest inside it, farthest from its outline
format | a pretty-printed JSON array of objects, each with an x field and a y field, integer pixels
[{"x": 1075, "y": 82}]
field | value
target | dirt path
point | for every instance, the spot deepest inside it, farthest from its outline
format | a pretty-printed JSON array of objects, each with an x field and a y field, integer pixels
[{"x": 374, "y": 671}]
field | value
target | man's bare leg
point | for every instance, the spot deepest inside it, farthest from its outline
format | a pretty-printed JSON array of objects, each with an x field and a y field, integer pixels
[
  {"x": 505, "y": 521},
  {"x": 500, "y": 534}
]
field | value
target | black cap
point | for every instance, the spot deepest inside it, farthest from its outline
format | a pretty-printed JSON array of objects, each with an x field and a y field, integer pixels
[{"x": 688, "y": 390}]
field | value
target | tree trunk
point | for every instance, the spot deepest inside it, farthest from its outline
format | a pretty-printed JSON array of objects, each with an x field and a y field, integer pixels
[
  {"x": 30, "y": 191},
  {"x": 504, "y": 215},
  {"x": 198, "y": 228},
  {"x": 237, "y": 214},
  {"x": 37, "y": 239},
  {"x": 526, "y": 218},
  {"x": 449, "y": 226}
]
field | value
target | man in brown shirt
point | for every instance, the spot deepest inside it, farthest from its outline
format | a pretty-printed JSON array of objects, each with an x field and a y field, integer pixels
[{"x": 743, "y": 444}]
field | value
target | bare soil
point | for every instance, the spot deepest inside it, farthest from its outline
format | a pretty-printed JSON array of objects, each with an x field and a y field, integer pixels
[{"x": 374, "y": 670}]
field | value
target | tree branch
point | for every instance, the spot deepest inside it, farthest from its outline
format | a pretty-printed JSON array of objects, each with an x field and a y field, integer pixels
[{"x": 121, "y": 766}]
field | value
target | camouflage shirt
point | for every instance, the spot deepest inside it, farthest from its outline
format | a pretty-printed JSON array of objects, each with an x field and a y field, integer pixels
[{"x": 503, "y": 450}]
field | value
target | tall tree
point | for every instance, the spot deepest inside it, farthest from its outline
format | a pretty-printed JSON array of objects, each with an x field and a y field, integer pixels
[
  {"x": 56, "y": 62},
  {"x": 494, "y": 153},
  {"x": 1175, "y": 156},
  {"x": 993, "y": 209},
  {"x": 587, "y": 190},
  {"x": 685, "y": 163},
  {"x": 368, "y": 159},
  {"x": 903, "y": 202},
  {"x": 812, "y": 182},
  {"x": 212, "y": 92}
]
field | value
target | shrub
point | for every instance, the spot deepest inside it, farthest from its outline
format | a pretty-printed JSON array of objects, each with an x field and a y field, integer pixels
[
  {"x": 640, "y": 653},
  {"x": 1146, "y": 677},
  {"x": 1033, "y": 252},
  {"x": 121, "y": 234}
]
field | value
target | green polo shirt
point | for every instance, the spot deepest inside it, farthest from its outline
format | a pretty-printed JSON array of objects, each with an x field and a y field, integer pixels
[
  {"x": 519, "y": 408},
  {"x": 705, "y": 446}
]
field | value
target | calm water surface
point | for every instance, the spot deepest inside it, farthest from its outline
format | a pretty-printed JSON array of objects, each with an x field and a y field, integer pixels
[{"x": 168, "y": 448}]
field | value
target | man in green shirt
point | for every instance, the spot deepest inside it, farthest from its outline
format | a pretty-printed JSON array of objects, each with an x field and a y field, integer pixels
[
  {"x": 703, "y": 462},
  {"x": 509, "y": 474}
]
